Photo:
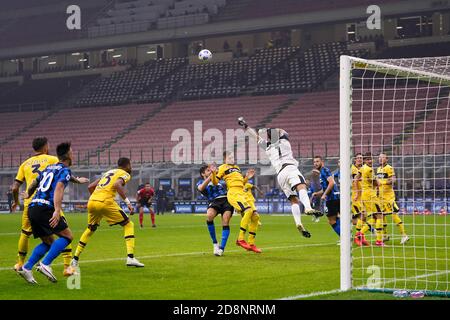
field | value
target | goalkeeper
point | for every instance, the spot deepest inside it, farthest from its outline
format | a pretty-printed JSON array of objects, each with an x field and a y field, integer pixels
[{"x": 278, "y": 149}]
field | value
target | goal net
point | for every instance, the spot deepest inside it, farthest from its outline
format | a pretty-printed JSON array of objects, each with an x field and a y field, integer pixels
[{"x": 399, "y": 108}]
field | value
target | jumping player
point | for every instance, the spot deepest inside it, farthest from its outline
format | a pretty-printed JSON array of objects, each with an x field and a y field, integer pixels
[
  {"x": 278, "y": 149},
  {"x": 218, "y": 204}
]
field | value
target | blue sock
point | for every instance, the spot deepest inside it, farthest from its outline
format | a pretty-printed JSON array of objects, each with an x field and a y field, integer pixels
[
  {"x": 225, "y": 235},
  {"x": 57, "y": 247},
  {"x": 337, "y": 227},
  {"x": 212, "y": 231},
  {"x": 38, "y": 252}
]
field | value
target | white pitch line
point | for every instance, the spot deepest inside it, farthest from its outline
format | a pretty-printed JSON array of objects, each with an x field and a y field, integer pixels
[
  {"x": 187, "y": 254},
  {"x": 312, "y": 294},
  {"x": 107, "y": 228},
  {"x": 323, "y": 293}
]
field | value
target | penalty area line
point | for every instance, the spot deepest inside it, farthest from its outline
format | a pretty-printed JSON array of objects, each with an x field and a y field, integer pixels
[{"x": 181, "y": 254}]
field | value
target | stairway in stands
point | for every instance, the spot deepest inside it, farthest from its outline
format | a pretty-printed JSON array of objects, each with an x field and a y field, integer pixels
[{"x": 276, "y": 112}]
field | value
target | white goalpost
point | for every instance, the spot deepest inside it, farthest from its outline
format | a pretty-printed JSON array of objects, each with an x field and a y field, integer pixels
[{"x": 401, "y": 108}]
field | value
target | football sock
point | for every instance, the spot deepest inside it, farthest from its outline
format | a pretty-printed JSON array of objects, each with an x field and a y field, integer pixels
[
  {"x": 128, "y": 230},
  {"x": 304, "y": 199},
  {"x": 371, "y": 222},
  {"x": 359, "y": 225},
  {"x": 337, "y": 226},
  {"x": 365, "y": 226},
  {"x": 23, "y": 246},
  {"x": 152, "y": 216},
  {"x": 244, "y": 223},
  {"x": 399, "y": 223},
  {"x": 212, "y": 231},
  {"x": 252, "y": 228},
  {"x": 141, "y": 218},
  {"x": 39, "y": 251},
  {"x": 379, "y": 229},
  {"x": 385, "y": 225},
  {"x": 67, "y": 255},
  {"x": 225, "y": 235},
  {"x": 55, "y": 249},
  {"x": 295, "y": 208},
  {"x": 83, "y": 242}
]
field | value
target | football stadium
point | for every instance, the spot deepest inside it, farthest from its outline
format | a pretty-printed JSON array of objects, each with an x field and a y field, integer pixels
[{"x": 225, "y": 150}]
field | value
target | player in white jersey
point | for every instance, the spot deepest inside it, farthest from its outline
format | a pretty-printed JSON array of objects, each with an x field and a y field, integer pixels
[{"x": 278, "y": 149}]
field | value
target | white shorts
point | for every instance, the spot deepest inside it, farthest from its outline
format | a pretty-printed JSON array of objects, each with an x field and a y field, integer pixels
[{"x": 288, "y": 180}]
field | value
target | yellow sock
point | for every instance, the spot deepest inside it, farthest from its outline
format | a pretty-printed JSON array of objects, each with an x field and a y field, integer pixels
[
  {"x": 252, "y": 228},
  {"x": 67, "y": 255},
  {"x": 379, "y": 229},
  {"x": 244, "y": 223},
  {"x": 359, "y": 224},
  {"x": 371, "y": 222},
  {"x": 23, "y": 247},
  {"x": 384, "y": 225},
  {"x": 399, "y": 223},
  {"x": 83, "y": 241},
  {"x": 365, "y": 226},
  {"x": 128, "y": 231}
]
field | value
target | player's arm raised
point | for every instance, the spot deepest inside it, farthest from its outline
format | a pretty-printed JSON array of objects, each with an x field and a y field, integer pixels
[
  {"x": 216, "y": 175},
  {"x": 205, "y": 183},
  {"x": 252, "y": 132},
  {"x": 119, "y": 186}
]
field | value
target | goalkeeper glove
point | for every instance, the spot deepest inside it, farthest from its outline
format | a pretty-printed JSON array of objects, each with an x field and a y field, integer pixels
[{"x": 242, "y": 122}]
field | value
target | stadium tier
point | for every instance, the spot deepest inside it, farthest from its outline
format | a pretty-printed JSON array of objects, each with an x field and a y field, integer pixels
[
  {"x": 154, "y": 137},
  {"x": 250, "y": 9},
  {"x": 377, "y": 117},
  {"x": 311, "y": 124},
  {"x": 87, "y": 128},
  {"x": 268, "y": 71},
  {"x": 143, "y": 15},
  {"x": 125, "y": 86},
  {"x": 48, "y": 91},
  {"x": 21, "y": 30},
  {"x": 306, "y": 71}
]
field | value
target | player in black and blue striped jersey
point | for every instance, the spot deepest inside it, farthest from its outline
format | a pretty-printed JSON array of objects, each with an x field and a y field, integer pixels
[
  {"x": 45, "y": 214},
  {"x": 330, "y": 194},
  {"x": 218, "y": 204}
]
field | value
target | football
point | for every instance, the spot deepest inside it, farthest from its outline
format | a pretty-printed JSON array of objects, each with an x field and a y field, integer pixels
[{"x": 205, "y": 55}]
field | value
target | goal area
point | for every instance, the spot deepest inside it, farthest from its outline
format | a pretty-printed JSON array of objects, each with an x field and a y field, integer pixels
[{"x": 398, "y": 107}]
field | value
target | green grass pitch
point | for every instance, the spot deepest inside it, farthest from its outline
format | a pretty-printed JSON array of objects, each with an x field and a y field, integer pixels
[{"x": 179, "y": 263}]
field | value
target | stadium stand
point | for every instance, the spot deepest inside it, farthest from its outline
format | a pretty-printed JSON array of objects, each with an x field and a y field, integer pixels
[
  {"x": 225, "y": 79},
  {"x": 248, "y": 9},
  {"x": 86, "y": 128},
  {"x": 306, "y": 71},
  {"x": 416, "y": 51},
  {"x": 151, "y": 140},
  {"x": 43, "y": 90},
  {"x": 23, "y": 31},
  {"x": 143, "y": 15},
  {"x": 125, "y": 86}
]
